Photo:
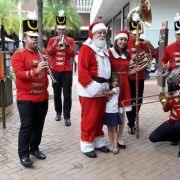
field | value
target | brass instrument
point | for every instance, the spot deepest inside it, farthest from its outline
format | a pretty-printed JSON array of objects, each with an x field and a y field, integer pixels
[
  {"x": 61, "y": 42},
  {"x": 48, "y": 68},
  {"x": 163, "y": 98},
  {"x": 136, "y": 18}
]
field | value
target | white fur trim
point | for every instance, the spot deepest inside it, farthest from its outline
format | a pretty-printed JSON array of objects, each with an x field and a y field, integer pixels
[
  {"x": 121, "y": 35},
  {"x": 91, "y": 91},
  {"x": 99, "y": 142},
  {"x": 99, "y": 26},
  {"x": 126, "y": 109},
  {"x": 116, "y": 55},
  {"x": 86, "y": 146}
]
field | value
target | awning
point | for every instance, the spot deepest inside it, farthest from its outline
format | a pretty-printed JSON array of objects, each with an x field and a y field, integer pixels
[{"x": 8, "y": 40}]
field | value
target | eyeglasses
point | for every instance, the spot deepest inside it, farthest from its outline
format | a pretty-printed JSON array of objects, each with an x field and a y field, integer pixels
[{"x": 101, "y": 32}]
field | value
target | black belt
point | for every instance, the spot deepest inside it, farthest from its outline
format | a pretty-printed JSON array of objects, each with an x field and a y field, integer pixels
[{"x": 100, "y": 79}]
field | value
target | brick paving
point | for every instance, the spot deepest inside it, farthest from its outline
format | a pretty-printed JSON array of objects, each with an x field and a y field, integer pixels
[{"x": 142, "y": 160}]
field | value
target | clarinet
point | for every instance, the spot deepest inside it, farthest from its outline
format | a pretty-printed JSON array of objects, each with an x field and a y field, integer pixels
[{"x": 49, "y": 72}]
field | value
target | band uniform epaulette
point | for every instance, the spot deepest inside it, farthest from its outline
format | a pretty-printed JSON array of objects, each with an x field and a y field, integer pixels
[{"x": 20, "y": 50}]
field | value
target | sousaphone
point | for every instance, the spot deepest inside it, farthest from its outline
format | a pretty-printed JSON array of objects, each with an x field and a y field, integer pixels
[{"x": 135, "y": 19}]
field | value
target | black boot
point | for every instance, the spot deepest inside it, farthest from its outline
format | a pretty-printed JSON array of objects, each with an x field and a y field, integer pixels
[{"x": 91, "y": 154}]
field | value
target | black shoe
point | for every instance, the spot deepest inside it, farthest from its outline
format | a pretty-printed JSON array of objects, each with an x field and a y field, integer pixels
[
  {"x": 91, "y": 154},
  {"x": 131, "y": 130},
  {"x": 122, "y": 146},
  {"x": 179, "y": 154},
  {"x": 67, "y": 122},
  {"x": 58, "y": 117},
  {"x": 173, "y": 143},
  {"x": 38, "y": 154},
  {"x": 103, "y": 149},
  {"x": 26, "y": 162}
]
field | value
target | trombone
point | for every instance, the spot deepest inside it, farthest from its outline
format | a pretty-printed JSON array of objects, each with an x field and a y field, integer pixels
[{"x": 163, "y": 99}]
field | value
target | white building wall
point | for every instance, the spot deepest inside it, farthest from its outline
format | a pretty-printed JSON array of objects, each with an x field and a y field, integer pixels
[{"x": 162, "y": 10}]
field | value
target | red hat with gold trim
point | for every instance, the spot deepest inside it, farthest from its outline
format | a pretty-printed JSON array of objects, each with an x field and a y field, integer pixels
[
  {"x": 30, "y": 26},
  {"x": 61, "y": 20}
]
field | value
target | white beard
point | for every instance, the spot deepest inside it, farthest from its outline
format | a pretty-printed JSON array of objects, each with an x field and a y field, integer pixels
[{"x": 100, "y": 43}]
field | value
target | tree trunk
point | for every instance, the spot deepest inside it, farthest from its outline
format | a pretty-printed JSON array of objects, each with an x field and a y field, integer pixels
[{"x": 40, "y": 23}]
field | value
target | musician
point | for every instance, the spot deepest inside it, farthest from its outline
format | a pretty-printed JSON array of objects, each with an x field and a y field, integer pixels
[
  {"x": 172, "y": 51},
  {"x": 32, "y": 94},
  {"x": 170, "y": 129},
  {"x": 61, "y": 50},
  {"x": 94, "y": 71},
  {"x": 144, "y": 47}
]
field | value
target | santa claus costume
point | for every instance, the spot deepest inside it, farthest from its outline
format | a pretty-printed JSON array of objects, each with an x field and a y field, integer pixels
[{"x": 94, "y": 71}]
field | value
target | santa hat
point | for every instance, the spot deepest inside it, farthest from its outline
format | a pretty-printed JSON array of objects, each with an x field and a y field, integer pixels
[
  {"x": 121, "y": 34},
  {"x": 177, "y": 23},
  {"x": 96, "y": 26}
]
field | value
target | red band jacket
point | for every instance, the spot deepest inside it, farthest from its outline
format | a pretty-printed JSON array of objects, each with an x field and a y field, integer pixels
[
  {"x": 174, "y": 107},
  {"x": 143, "y": 49},
  {"x": 171, "y": 55},
  {"x": 30, "y": 85},
  {"x": 61, "y": 56}
]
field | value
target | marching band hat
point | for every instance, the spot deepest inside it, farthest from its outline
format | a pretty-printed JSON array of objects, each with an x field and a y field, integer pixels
[
  {"x": 30, "y": 26},
  {"x": 136, "y": 23},
  {"x": 177, "y": 23},
  {"x": 121, "y": 34},
  {"x": 61, "y": 20}
]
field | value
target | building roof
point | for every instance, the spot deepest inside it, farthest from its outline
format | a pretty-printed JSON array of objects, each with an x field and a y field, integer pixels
[{"x": 84, "y": 6}]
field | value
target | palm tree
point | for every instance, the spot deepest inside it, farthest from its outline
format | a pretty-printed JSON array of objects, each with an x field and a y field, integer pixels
[
  {"x": 7, "y": 19},
  {"x": 40, "y": 22},
  {"x": 51, "y": 8}
]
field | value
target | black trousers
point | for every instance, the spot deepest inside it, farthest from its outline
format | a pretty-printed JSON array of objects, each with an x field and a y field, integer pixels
[
  {"x": 64, "y": 84},
  {"x": 32, "y": 117},
  {"x": 166, "y": 132},
  {"x": 131, "y": 115}
]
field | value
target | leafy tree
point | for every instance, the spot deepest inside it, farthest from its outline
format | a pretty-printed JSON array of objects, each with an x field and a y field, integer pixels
[
  {"x": 51, "y": 8},
  {"x": 9, "y": 19}
]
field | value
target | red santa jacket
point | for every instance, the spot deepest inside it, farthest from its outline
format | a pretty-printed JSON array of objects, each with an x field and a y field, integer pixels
[
  {"x": 143, "y": 48},
  {"x": 61, "y": 56},
  {"x": 120, "y": 64},
  {"x": 174, "y": 107},
  {"x": 30, "y": 85},
  {"x": 92, "y": 63},
  {"x": 171, "y": 55}
]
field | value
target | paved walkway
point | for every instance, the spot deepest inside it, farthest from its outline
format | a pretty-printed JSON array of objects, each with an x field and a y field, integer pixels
[{"x": 142, "y": 160}]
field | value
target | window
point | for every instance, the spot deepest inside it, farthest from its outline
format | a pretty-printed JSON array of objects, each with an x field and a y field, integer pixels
[{"x": 125, "y": 13}]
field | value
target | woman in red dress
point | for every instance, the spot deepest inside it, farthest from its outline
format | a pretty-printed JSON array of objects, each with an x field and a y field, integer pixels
[{"x": 119, "y": 58}]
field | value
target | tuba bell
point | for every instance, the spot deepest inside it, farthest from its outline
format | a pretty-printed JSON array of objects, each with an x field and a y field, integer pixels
[{"x": 135, "y": 19}]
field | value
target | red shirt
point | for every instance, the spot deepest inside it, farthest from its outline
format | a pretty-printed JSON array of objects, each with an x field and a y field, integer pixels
[
  {"x": 171, "y": 55},
  {"x": 143, "y": 48},
  {"x": 174, "y": 107},
  {"x": 61, "y": 56},
  {"x": 30, "y": 85}
]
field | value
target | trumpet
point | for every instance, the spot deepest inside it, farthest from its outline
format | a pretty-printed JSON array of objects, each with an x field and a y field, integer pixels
[
  {"x": 163, "y": 98},
  {"x": 49, "y": 72},
  {"x": 61, "y": 42}
]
